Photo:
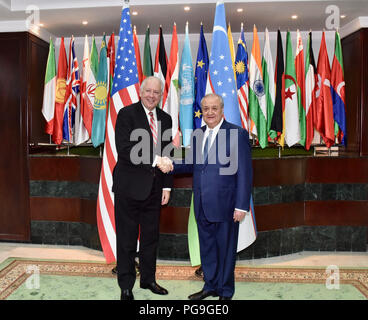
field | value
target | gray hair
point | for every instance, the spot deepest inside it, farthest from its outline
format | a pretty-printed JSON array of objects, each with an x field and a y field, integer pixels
[
  {"x": 213, "y": 95},
  {"x": 144, "y": 82}
]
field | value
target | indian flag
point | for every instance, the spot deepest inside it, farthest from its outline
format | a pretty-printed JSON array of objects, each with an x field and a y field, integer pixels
[
  {"x": 268, "y": 79},
  {"x": 48, "y": 106},
  {"x": 257, "y": 98}
]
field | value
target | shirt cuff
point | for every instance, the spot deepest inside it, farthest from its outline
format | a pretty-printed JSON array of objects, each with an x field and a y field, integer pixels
[
  {"x": 154, "y": 164},
  {"x": 242, "y": 210},
  {"x": 167, "y": 189}
]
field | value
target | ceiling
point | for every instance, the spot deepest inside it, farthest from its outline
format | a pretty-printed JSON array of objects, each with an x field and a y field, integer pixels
[{"x": 64, "y": 18}]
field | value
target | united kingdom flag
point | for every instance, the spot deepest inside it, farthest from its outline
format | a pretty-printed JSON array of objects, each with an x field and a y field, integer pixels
[{"x": 72, "y": 92}]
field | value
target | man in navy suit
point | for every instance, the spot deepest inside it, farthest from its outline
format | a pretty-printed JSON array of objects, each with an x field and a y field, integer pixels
[{"x": 220, "y": 159}]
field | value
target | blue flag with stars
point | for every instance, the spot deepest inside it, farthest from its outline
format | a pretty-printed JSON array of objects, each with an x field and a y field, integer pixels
[
  {"x": 221, "y": 75},
  {"x": 200, "y": 79}
]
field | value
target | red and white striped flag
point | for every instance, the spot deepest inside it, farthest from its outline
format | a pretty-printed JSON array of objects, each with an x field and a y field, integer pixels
[{"x": 125, "y": 91}]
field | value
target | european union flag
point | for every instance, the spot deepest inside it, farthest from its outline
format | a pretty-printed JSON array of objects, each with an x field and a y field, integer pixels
[
  {"x": 221, "y": 74},
  {"x": 200, "y": 80}
]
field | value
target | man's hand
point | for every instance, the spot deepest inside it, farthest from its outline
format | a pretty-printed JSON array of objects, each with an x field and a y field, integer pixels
[
  {"x": 239, "y": 215},
  {"x": 165, "y": 197},
  {"x": 165, "y": 164}
]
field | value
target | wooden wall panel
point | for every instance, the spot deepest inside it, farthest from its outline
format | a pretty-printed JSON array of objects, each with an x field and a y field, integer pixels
[
  {"x": 352, "y": 55},
  {"x": 337, "y": 170},
  {"x": 270, "y": 172},
  {"x": 14, "y": 180},
  {"x": 364, "y": 92},
  {"x": 279, "y": 216},
  {"x": 38, "y": 53},
  {"x": 61, "y": 209},
  {"x": 336, "y": 213}
]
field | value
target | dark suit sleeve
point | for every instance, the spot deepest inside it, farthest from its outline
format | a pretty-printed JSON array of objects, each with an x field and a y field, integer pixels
[
  {"x": 185, "y": 165},
  {"x": 166, "y": 143},
  {"x": 245, "y": 172},
  {"x": 123, "y": 129}
]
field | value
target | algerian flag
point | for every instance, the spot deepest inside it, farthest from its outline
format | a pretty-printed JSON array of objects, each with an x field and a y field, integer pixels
[
  {"x": 292, "y": 125},
  {"x": 268, "y": 79},
  {"x": 257, "y": 98},
  {"x": 48, "y": 106}
]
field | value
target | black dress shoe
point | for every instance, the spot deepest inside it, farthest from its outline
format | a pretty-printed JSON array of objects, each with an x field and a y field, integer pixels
[
  {"x": 203, "y": 294},
  {"x": 154, "y": 287},
  {"x": 126, "y": 294},
  {"x": 225, "y": 298}
]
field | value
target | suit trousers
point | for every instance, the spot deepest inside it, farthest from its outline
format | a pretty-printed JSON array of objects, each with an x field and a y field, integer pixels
[
  {"x": 218, "y": 245},
  {"x": 133, "y": 218}
]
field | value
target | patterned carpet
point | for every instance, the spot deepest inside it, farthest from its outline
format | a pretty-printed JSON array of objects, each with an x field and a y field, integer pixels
[{"x": 23, "y": 279}]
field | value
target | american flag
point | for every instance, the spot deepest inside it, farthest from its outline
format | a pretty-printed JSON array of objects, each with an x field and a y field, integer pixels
[{"x": 125, "y": 91}]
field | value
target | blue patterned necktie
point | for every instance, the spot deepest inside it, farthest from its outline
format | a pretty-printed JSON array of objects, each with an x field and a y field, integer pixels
[{"x": 206, "y": 147}]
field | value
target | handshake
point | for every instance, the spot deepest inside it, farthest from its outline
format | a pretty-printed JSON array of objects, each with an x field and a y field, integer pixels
[{"x": 165, "y": 164}]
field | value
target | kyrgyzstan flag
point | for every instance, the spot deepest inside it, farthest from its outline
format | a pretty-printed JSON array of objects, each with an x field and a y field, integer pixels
[{"x": 57, "y": 136}]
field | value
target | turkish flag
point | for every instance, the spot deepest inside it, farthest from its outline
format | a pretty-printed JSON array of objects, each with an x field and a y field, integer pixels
[{"x": 324, "y": 107}]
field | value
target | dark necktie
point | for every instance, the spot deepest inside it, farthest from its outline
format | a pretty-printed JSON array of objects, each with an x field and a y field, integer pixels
[{"x": 206, "y": 145}]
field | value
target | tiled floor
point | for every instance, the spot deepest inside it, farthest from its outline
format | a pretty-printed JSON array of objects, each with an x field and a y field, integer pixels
[{"x": 305, "y": 258}]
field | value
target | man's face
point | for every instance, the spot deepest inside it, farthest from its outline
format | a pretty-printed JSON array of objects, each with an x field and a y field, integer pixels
[
  {"x": 151, "y": 94},
  {"x": 212, "y": 111}
]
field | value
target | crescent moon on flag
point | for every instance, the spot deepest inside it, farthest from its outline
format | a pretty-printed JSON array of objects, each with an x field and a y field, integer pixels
[
  {"x": 219, "y": 28},
  {"x": 339, "y": 87}
]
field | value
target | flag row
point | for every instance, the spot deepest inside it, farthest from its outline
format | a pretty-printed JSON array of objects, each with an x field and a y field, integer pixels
[
  {"x": 257, "y": 95},
  {"x": 289, "y": 102}
]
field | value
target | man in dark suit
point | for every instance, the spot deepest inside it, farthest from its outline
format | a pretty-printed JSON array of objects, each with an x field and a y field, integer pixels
[
  {"x": 142, "y": 132},
  {"x": 220, "y": 159}
]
